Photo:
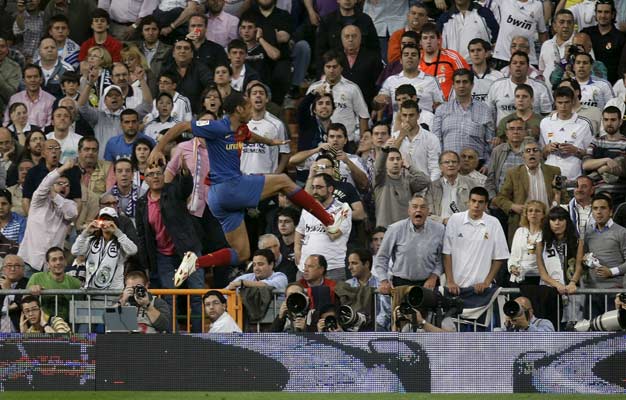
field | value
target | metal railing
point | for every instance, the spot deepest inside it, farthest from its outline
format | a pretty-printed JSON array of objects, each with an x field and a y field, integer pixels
[{"x": 110, "y": 297}]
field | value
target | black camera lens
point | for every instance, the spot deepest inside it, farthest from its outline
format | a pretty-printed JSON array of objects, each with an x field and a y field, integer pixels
[
  {"x": 512, "y": 309},
  {"x": 331, "y": 323},
  {"x": 140, "y": 291}
]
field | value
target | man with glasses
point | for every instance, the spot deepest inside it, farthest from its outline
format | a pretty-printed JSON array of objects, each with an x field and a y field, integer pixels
[
  {"x": 135, "y": 93},
  {"x": 450, "y": 193},
  {"x": 506, "y": 155},
  {"x": 215, "y": 309},
  {"x": 11, "y": 277},
  {"x": 35, "y": 320},
  {"x": 532, "y": 180},
  {"x": 50, "y": 216},
  {"x": 192, "y": 75},
  {"x": 50, "y": 160}
]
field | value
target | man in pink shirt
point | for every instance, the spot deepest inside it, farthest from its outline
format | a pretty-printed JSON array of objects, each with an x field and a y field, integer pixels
[{"x": 221, "y": 26}]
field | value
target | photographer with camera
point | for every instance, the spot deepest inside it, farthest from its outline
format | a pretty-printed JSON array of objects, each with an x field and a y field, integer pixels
[
  {"x": 328, "y": 320},
  {"x": 294, "y": 312},
  {"x": 423, "y": 310},
  {"x": 519, "y": 317},
  {"x": 153, "y": 313}
]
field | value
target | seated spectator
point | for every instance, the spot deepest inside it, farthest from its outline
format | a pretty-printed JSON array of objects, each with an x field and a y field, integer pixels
[
  {"x": 523, "y": 111},
  {"x": 165, "y": 119},
  {"x": 532, "y": 180},
  {"x": 286, "y": 321},
  {"x": 138, "y": 70},
  {"x": 10, "y": 72},
  {"x": 105, "y": 249},
  {"x": 100, "y": 21},
  {"x": 51, "y": 214},
  {"x": 54, "y": 277},
  {"x": 11, "y": 277},
  {"x": 12, "y": 225},
  {"x": 121, "y": 146},
  {"x": 604, "y": 152},
  {"x": 215, "y": 309},
  {"x": 521, "y": 43},
  {"x": 263, "y": 275},
  {"x": 38, "y": 101},
  {"x": 11, "y": 153},
  {"x": 484, "y": 74},
  {"x": 469, "y": 165},
  {"x": 526, "y": 320},
  {"x": 283, "y": 263},
  {"x": 607, "y": 241},
  {"x": 153, "y": 313},
  {"x": 416, "y": 18},
  {"x": 181, "y": 107},
  {"x": 450, "y": 193},
  {"x": 18, "y": 123},
  {"x": 16, "y": 190},
  {"x": 78, "y": 124},
  {"x": 35, "y": 320},
  {"x": 59, "y": 31},
  {"x": 522, "y": 263},
  {"x": 98, "y": 65}
]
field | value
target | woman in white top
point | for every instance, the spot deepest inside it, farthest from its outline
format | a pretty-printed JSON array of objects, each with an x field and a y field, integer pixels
[{"x": 523, "y": 261}]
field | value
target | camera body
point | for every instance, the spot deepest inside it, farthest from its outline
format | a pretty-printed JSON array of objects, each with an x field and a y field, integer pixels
[
  {"x": 350, "y": 320},
  {"x": 559, "y": 181}
]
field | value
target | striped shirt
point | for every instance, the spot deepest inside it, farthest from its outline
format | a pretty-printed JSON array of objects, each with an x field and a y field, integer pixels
[{"x": 14, "y": 229}]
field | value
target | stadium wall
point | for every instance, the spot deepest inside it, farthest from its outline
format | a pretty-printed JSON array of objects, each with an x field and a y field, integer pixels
[{"x": 365, "y": 362}]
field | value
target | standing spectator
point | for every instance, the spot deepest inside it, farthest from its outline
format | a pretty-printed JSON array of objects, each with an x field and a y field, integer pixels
[
  {"x": 501, "y": 97},
  {"x": 59, "y": 30},
  {"x": 52, "y": 66},
  {"x": 523, "y": 111},
  {"x": 361, "y": 63},
  {"x": 410, "y": 253},
  {"x": 206, "y": 52},
  {"x": 450, "y": 193},
  {"x": 525, "y": 18},
  {"x": 38, "y": 101},
  {"x": 136, "y": 96},
  {"x": 554, "y": 50},
  {"x": 18, "y": 123},
  {"x": 10, "y": 75},
  {"x": 387, "y": 17},
  {"x": 262, "y": 275},
  {"x": 464, "y": 22},
  {"x": 532, "y": 180},
  {"x": 11, "y": 277},
  {"x": 288, "y": 219},
  {"x": 565, "y": 136},
  {"x": 126, "y": 15},
  {"x": 395, "y": 182},
  {"x": 314, "y": 117},
  {"x": 94, "y": 171},
  {"x": 313, "y": 238},
  {"x": 584, "y": 12},
  {"x": 12, "y": 225},
  {"x": 75, "y": 12},
  {"x": 100, "y": 21},
  {"x": 464, "y": 122},
  {"x": 53, "y": 277},
  {"x": 105, "y": 249},
  {"x": 16, "y": 190},
  {"x": 603, "y": 151},
  {"x": 438, "y": 61},
  {"x": 429, "y": 92},
  {"x": 181, "y": 106},
  {"x": 579, "y": 207},
  {"x": 523, "y": 261},
  {"x": 192, "y": 76},
  {"x": 61, "y": 121},
  {"x": 121, "y": 146},
  {"x": 28, "y": 27},
  {"x": 243, "y": 74},
  {"x": 51, "y": 214},
  {"x": 221, "y": 26},
  {"x": 257, "y": 158},
  {"x": 608, "y": 41},
  {"x": 124, "y": 190},
  {"x": 416, "y": 18},
  {"x": 474, "y": 246},
  {"x": 155, "y": 51},
  {"x": 590, "y": 113},
  {"x": 153, "y": 126},
  {"x": 506, "y": 155},
  {"x": 420, "y": 149},
  {"x": 484, "y": 75},
  {"x": 329, "y": 31},
  {"x": 594, "y": 91},
  {"x": 215, "y": 309},
  {"x": 350, "y": 107}
]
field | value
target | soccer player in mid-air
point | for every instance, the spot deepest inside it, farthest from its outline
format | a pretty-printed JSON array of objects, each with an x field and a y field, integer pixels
[{"x": 230, "y": 192}]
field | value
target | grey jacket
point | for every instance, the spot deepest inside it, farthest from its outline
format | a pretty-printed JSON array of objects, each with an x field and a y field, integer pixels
[
  {"x": 435, "y": 194},
  {"x": 498, "y": 156}
]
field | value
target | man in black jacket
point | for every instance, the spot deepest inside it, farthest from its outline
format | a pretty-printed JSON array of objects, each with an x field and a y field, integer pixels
[
  {"x": 11, "y": 277},
  {"x": 166, "y": 230}
]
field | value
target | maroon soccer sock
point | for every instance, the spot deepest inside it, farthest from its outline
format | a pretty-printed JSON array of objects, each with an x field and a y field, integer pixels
[
  {"x": 219, "y": 258},
  {"x": 303, "y": 199}
]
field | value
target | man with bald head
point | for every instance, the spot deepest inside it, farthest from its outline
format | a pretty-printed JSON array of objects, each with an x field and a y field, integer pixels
[
  {"x": 50, "y": 160},
  {"x": 362, "y": 63},
  {"x": 525, "y": 319},
  {"x": 11, "y": 277}
]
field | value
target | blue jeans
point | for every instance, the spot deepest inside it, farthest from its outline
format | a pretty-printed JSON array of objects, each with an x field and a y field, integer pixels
[{"x": 166, "y": 267}]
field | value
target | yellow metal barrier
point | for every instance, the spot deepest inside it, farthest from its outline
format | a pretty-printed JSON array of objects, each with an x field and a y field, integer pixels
[{"x": 234, "y": 304}]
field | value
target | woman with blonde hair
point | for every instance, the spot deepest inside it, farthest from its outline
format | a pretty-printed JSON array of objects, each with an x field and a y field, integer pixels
[
  {"x": 99, "y": 59},
  {"x": 522, "y": 263},
  {"x": 134, "y": 59}
]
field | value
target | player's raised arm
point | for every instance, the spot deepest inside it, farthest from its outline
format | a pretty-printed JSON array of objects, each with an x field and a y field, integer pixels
[
  {"x": 157, "y": 156},
  {"x": 254, "y": 138}
]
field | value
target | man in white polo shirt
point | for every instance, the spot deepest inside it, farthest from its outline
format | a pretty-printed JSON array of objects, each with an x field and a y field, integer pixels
[
  {"x": 474, "y": 246},
  {"x": 428, "y": 91},
  {"x": 594, "y": 91},
  {"x": 565, "y": 136}
]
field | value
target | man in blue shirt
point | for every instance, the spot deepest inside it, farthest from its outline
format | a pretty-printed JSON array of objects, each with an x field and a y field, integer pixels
[
  {"x": 121, "y": 146},
  {"x": 231, "y": 192},
  {"x": 263, "y": 263}
]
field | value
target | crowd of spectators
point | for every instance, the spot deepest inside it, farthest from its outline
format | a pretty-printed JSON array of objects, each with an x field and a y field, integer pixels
[{"x": 478, "y": 144}]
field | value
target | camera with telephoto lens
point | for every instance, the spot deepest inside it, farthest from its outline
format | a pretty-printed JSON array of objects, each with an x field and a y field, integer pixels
[
  {"x": 610, "y": 321},
  {"x": 330, "y": 323},
  {"x": 419, "y": 298},
  {"x": 297, "y": 304},
  {"x": 351, "y": 320},
  {"x": 512, "y": 309}
]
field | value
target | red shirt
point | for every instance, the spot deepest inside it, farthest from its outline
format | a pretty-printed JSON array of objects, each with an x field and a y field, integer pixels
[
  {"x": 442, "y": 68},
  {"x": 163, "y": 240},
  {"x": 113, "y": 45}
]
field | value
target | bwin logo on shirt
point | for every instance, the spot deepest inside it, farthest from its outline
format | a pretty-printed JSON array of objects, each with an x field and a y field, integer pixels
[{"x": 522, "y": 24}]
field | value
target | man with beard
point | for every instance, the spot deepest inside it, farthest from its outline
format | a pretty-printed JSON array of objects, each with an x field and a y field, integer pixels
[
  {"x": 51, "y": 155},
  {"x": 411, "y": 250},
  {"x": 313, "y": 116},
  {"x": 605, "y": 153},
  {"x": 51, "y": 214},
  {"x": 312, "y": 237},
  {"x": 121, "y": 146}
]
